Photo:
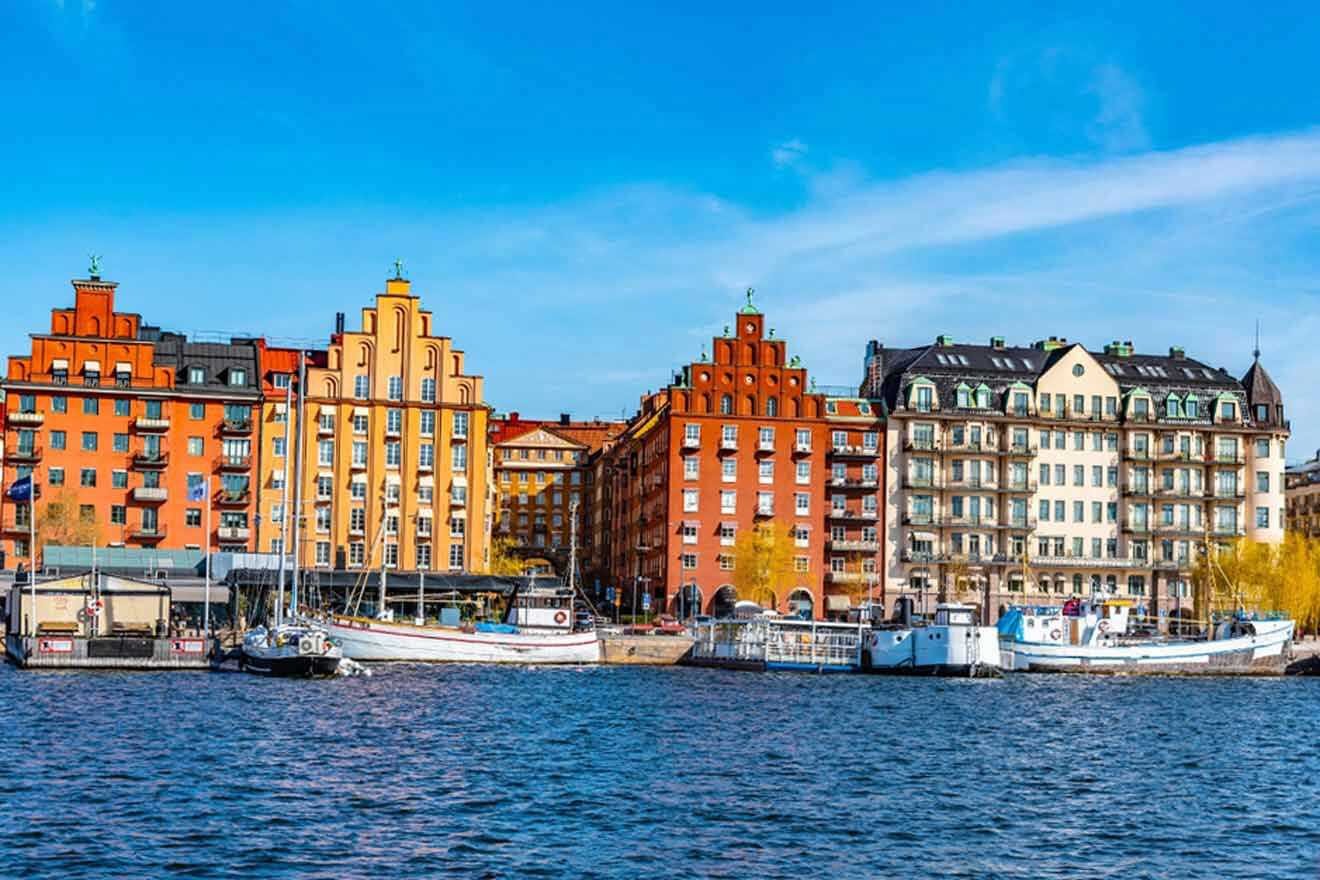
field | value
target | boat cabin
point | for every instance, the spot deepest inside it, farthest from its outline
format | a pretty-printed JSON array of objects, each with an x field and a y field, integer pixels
[
  {"x": 1076, "y": 622},
  {"x": 541, "y": 608}
]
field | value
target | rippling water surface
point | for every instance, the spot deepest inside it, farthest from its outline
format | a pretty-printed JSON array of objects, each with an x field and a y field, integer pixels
[{"x": 486, "y": 772}]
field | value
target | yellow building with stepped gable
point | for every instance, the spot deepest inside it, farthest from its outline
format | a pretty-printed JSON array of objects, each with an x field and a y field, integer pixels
[{"x": 395, "y": 458}]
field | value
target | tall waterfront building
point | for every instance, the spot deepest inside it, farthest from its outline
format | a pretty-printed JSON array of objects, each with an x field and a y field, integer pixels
[
  {"x": 1303, "y": 497},
  {"x": 1033, "y": 473},
  {"x": 543, "y": 479},
  {"x": 131, "y": 419},
  {"x": 738, "y": 438},
  {"x": 396, "y": 467}
]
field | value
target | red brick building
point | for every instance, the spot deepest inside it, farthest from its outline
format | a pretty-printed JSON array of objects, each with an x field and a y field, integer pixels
[
  {"x": 739, "y": 438},
  {"x": 128, "y": 418}
]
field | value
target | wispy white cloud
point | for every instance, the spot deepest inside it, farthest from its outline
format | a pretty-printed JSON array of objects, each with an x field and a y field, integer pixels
[{"x": 788, "y": 153}]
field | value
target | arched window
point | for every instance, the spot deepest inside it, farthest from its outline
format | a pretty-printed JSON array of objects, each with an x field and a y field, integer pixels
[
  {"x": 772, "y": 406},
  {"x": 703, "y": 403},
  {"x": 749, "y": 353},
  {"x": 726, "y": 404},
  {"x": 749, "y": 407},
  {"x": 794, "y": 407}
]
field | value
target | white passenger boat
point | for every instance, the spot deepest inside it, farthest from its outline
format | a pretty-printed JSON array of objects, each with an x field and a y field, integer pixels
[
  {"x": 538, "y": 629},
  {"x": 1097, "y": 637},
  {"x": 953, "y": 644}
]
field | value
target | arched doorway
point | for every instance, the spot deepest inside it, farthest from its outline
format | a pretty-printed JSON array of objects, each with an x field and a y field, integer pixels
[
  {"x": 721, "y": 606},
  {"x": 686, "y": 602},
  {"x": 800, "y": 604}
]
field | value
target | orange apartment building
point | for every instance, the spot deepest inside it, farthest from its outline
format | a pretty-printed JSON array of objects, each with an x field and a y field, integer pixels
[
  {"x": 737, "y": 439},
  {"x": 396, "y": 466},
  {"x": 130, "y": 417}
]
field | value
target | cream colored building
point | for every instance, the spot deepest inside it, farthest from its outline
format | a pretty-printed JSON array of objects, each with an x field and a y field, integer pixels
[
  {"x": 1036, "y": 474},
  {"x": 395, "y": 458},
  {"x": 1303, "y": 491}
]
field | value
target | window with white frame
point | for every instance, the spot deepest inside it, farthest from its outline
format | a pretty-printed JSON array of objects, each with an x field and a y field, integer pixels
[
  {"x": 692, "y": 434},
  {"x": 357, "y": 554},
  {"x": 728, "y": 535},
  {"x": 691, "y": 467},
  {"x": 423, "y": 557},
  {"x": 322, "y": 553},
  {"x": 726, "y": 562},
  {"x": 689, "y": 533},
  {"x": 359, "y": 423},
  {"x": 394, "y": 388},
  {"x": 870, "y": 441},
  {"x": 456, "y": 557},
  {"x": 765, "y": 438},
  {"x": 689, "y": 561},
  {"x": 802, "y": 503},
  {"x": 765, "y": 471},
  {"x": 765, "y": 503},
  {"x": 393, "y": 454},
  {"x": 460, "y": 424},
  {"x": 690, "y": 497},
  {"x": 426, "y": 456},
  {"x": 458, "y": 457},
  {"x": 801, "y": 563},
  {"x": 391, "y": 555},
  {"x": 803, "y": 441},
  {"x": 729, "y": 470},
  {"x": 325, "y": 453},
  {"x": 728, "y": 501},
  {"x": 323, "y": 519},
  {"x": 426, "y": 423},
  {"x": 428, "y": 390},
  {"x": 803, "y": 472},
  {"x": 325, "y": 487},
  {"x": 361, "y": 387},
  {"x": 729, "y": 436},
  {"x": 393, "y": 421}
]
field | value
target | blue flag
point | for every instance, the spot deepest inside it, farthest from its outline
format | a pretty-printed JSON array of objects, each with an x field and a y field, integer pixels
[
  {"x": 197, "y": 491},
  {"x": 20, "y": 490}
]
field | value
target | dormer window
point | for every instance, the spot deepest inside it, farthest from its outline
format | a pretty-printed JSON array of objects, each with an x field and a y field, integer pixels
[
  {"x": 196, "y": 376},
  {"x": 1228, "y": 411},
  {"x": 280, "y": 380},
  {"x": 237, "y": 377},
  {"x": 123, "y": 374},
  {"x": 1262, "y": 412}
]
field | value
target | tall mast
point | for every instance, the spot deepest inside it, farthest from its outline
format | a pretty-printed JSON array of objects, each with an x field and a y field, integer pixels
[
  {"x": 298, "y": 485},
  {"x": 572, "y": 545},
  {"x": 284, "y": 502},
  {"x": 384, "y": 515}
]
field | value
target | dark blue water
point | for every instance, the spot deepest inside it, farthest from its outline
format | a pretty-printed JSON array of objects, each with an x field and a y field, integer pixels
[{"x": 483, "y": 772}]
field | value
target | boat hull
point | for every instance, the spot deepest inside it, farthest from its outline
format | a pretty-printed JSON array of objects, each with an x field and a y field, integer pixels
[
  {"x": 293, "y": 666},
  {"x": 1264, "y": 653},
  {"x": 949, "y": 651},
  {"x": 374, "y": 640}
]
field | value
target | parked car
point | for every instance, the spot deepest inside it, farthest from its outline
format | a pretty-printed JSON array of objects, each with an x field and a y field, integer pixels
[{"x": 667, "y": 624}]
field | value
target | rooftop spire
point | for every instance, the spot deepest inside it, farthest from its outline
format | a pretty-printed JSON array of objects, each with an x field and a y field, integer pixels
[{"x": 1255, "y": 352}]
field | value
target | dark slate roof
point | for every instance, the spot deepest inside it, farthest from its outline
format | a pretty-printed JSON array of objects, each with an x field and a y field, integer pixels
[
  {"x": 1260, "y": 387},
  {"x": 999, "y": 367},
  {"x": 173, "y": 350}
]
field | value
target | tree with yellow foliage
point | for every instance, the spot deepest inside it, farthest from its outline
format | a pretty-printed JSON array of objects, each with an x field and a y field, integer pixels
[
  {"x": 763, "y": 564},
  {"x": 60, "y": 522},
  {"x": 1261, "y": 577},
  {"x": 504, "y": 562}
]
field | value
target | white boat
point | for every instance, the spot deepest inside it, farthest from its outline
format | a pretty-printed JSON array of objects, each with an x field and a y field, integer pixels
[
  {"x": 951, "y": 645},
  {"x": 1097, "y": 637},
  {"x": 539, "y": 629},
  {"x": 291, "y": 650}
]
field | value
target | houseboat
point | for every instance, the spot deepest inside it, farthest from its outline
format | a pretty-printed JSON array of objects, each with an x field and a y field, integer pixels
[{"x": 952, "y": 644}]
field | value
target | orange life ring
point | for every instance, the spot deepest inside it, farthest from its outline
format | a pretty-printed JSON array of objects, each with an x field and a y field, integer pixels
[{"x": 560, "y": 617}]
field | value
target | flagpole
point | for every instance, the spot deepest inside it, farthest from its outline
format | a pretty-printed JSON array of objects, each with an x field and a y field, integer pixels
[
  {"x": 206, "y": 593},
  {"x": 32, "y": 549}
]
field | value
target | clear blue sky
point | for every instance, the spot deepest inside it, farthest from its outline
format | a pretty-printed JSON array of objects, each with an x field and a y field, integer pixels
[{"x": 580, "y": 195}]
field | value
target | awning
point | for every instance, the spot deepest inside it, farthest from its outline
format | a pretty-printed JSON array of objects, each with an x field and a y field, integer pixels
[
  {"x": 392, "y": 480},
  {"x": 423, "y": 480},
  {"x": 458, "y": 513},
  {"x": 219, "y": 594},
  {"x": 460, "y": 480},
  {"x": 59, "y": 364},
  {"x": 91, "y": 366},
  {"x": 694, "y": 523},
  {"x": 281, "y": 408},
  {"x": 359, "y": 478},
  {"x": 326, "y": 472},
  {"x": 728, "y": 524},
  {"x": 923, "y": 536},
  {"x": 326, "y": 408},
  {"x": 361, "y": 411},
  {"x": 837, "y": 603},
  {"x": 123, "y": 367}
]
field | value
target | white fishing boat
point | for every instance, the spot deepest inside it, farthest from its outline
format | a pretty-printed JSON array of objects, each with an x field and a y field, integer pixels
[
  {"x": 291, "y": 650},
  {"x": 952, "y": 644},
  {"x": 1098, "y": 637},
  {"x": 538, "y": 629}
]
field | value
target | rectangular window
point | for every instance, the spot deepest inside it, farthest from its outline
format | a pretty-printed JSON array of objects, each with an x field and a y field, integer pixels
[
  {"x": 197, "y": 412},
  {"x": 765, "y": 503},
  {"x": 456, "y": 557},
  {"x": 728, "y": 535},
  {"x": 728, "y": 501},
  {"x": 87, "y": 478},
  {"x": 803, "y": 441},
  {"x": 803, "y": 472},
  {"x": 57, "y": 440},
  {"x": 766, "y": 439},
  {"x": 118, "y": 514},
  {"x": 1262, "y": 481},
  {"x": 393, "y": 454},
  {"x": 426, "y": 456},
  {"x": 325, "y": 453},
  {"x": 690, "y": 497},
  {"x": 359, "y": 453},
  {"x": 1262, "y": 517},
  {"x": 691, "y": 467},
  {"x": 91, "y": 406},
  {"x": 427, "y": 423},
  {"x": 766, "y": 472},
  {"x": 729, "y": 470},
  {"x": 691, "y": 435},
  {"x": 394, "y": 388},
  {"x": 802, "y": 503},
  {"x": 729, "y": 436},
  {"x": 689, "y": 561},
  {"x": 689, "y": 533},
  {"x": 428, "y": 390},
  {"x": 361, "y": 387},
  {"x": 119, "y": 479},
  {"x": 59, "y": 404},
  {"x": 89, "y": 441},
  {"x": 726, "y": 562},
  {"x": 460, "y": 424},
  {"x": 458, "y": 457}
]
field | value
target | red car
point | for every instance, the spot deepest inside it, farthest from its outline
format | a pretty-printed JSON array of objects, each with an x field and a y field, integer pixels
[{"x": 669, "y": 625}]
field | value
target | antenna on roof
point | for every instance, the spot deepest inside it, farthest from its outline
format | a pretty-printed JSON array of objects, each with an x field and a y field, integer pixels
[{"x": 1255, "y": 352}]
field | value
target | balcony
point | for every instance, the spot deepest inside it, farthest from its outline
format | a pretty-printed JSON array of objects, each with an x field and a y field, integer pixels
[
  {"x": 855, "y": 546},
  {"x": 144, "y": 532},
  {"x": 1177, "y": 455},
  {"x": 425, "y": 467},
  {"x": 147, "y": 461},
  {"x": 1018, "y": 451},
  {"x": 1227, "y": 493},
  {"x": 1137, "y": 528},
  {"x": 847, "y": 451},
  {"x": 150, "y": 494},
  {"x": 233, "y": 533},
  {"x": 865, "y": 515},
  {"x": 23, "y": 455},
  {"x": 1180, "y": 492},
  {"x": 1044, "y": 562},
  {"x": 227, "y": 498},
  {"x": 920, "y": 444},
  {"x": 931, "y": 482},
  {"x": 851, "y": 577},
  {"x": 150, "y": 425},
  {"x": 1227, "y": 459},
  {"x": 1182, "y": 529},
  {"x": 18, "y": 527},
  {"x": 235, "y": 427},
  {"x": 233, "y": 463},
  {"x": 1138, "y": 455},
  {"x": 1141, "y": 490},
  {"x": 764, "y": 445},
  {"x": 1228, "y": 531},
  {"x": 690, "y": 442},
  {"x": 730, "y": 443},
  {"x": 799, "y": 446},
  {"x": 357, "y": 465},
  {"x": 1017, "y": 487},
  {"x": 26, "y": 418},
  {"x": 853, "y": 483}
]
